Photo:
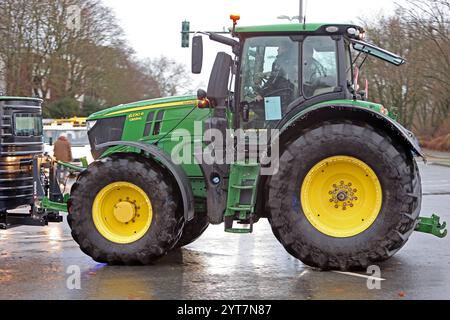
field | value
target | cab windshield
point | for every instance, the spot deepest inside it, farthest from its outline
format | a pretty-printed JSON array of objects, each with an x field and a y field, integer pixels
[{"x": 277, "y": 70}]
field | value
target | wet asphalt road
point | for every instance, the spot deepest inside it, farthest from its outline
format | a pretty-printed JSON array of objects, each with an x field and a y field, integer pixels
[{"x": 34, "y": 264}]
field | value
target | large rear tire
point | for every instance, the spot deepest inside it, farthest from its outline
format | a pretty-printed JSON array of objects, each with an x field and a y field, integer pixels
[
  {"x": 123, "y": 210},
  {"x": 346, "y": 196}
]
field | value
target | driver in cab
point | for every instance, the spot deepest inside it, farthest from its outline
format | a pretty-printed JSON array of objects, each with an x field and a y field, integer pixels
[{"x": 281, "y": 79}]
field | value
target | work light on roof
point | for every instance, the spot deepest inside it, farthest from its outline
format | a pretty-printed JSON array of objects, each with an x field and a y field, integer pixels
[{"x": 332, "y": 29}]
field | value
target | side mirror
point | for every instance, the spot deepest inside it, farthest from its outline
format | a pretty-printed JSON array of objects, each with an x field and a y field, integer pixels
[
  {"x": 197, "y": 54},
  {"x": 220, "y": 77}
]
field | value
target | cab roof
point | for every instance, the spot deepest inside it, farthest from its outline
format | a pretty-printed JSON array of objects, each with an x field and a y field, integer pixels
[{"x": 294, "y": 28}]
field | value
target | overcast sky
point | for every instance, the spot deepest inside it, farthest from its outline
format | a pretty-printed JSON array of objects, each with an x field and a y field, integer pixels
[{"x": 153, "y": 27}]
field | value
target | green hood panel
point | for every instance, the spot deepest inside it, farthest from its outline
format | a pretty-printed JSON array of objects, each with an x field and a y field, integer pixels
[{"x": 159, "y": 103}]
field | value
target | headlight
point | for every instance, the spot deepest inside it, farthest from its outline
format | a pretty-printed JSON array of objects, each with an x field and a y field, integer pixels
[
  {"x": 352, "y": 32},
  {"x": 90, "y": 124}
]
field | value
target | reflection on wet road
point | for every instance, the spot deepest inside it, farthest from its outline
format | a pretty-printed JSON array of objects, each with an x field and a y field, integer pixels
[{"x": 34, "y": 263}]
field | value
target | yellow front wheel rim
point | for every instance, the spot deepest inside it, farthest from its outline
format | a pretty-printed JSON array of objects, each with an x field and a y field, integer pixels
[
  {"x": 122, "y": 212},
  {"x": 341, "y": 196}
]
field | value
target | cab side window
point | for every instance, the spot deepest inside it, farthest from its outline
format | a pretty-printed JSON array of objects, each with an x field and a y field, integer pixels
[
  {"x": 320, "y": 74},
  {"x": 269, "y": 78}
]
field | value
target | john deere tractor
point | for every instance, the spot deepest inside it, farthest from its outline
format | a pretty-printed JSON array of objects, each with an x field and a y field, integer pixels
[{"x": 335, "y": 175}]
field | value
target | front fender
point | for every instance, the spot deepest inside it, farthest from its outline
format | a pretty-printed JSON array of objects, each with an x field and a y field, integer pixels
[
  {"x": 158, "y": 154},
  {"x": 350, "y": 111}
]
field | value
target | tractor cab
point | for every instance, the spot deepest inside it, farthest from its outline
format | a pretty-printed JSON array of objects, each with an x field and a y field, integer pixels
[{"x": 282, "y": 69}]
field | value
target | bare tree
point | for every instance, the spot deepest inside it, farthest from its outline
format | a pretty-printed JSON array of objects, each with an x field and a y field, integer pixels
[
  {"x": 170, "y": 77},
  {"x": 44, "y": 55},
  {"x": 49, "y": 53},
  {"x": 419, "y": 91}
]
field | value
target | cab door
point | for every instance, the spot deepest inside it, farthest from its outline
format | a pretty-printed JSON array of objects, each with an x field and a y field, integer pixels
[
  {"x": 279, "y": 75},
  {"x": 269, "y": 80}
]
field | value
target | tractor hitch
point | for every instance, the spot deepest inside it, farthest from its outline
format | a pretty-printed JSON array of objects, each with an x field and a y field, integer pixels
[
  {"x": 74, "y": 167},
  {"x": 432, "y": 226},
  {"x": 47, "y": 204}
]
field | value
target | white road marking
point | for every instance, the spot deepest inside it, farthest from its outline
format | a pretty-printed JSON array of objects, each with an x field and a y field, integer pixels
[
  {"x": 359, "y": 275},
  {"x": 34, "y": 237},
  {"x": 303, "y": 273},
  {"x": 209, "y": 253},
  {"x": 44, "y": 237}
]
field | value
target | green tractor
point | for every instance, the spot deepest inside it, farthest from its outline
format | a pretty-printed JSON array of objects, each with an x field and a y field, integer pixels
[{"x": 334, "y": 174}]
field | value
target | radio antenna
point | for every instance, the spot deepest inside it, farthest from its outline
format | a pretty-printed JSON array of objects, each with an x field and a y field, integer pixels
[{"x": 302, "y": 15}]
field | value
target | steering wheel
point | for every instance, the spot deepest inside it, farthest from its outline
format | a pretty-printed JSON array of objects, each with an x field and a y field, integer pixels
[
  {"x": 319, "y": 72},
  {"x": 314, "y": 80}
]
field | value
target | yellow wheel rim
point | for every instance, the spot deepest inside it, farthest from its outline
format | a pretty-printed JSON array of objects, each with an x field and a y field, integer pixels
[
  {"x": 341, "y": 196},
  {"x": 122, "y": 212}
]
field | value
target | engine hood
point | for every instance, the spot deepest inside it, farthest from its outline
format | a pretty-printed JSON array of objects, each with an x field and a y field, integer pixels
[{"x": 160, "y": 103}]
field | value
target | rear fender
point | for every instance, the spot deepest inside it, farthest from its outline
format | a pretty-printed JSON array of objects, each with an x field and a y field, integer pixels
[{"x": 316, "y": 114}]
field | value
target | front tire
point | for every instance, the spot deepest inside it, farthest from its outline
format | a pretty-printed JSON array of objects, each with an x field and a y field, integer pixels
[
  {"x": 346, "y": 196},
  {"x": 123, "y": 210}
]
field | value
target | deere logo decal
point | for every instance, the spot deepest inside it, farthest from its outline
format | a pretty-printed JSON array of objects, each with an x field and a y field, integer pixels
[{"x": 135, "y": 116}]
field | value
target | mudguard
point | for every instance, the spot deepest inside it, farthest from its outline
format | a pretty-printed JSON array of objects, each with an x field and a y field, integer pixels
[
  {"x": 389, "y": 124},
  {"x": 177, "y": 172}
]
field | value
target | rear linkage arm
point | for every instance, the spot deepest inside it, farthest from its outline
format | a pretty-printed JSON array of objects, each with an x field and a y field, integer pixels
[
  {"x": 432, "y": 226},
  {"x": 46, "y": 204}
]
